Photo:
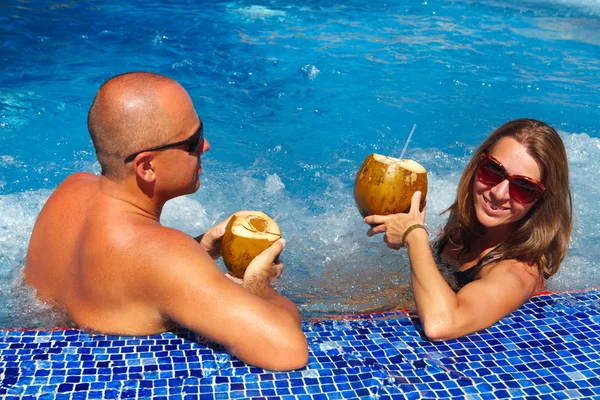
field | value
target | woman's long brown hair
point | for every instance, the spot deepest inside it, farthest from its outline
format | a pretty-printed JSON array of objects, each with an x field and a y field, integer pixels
[{"x": 541, "y": 238}]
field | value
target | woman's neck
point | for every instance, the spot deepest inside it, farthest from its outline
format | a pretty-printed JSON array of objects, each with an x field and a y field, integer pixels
[{"x": 492, "y": 237}]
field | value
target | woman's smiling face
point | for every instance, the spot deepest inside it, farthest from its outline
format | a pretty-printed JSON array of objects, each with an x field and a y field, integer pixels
[{"x": 494, "y": 207}]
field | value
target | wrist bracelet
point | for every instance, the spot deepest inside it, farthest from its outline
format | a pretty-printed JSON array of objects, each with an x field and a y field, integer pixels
[{"x": 410, "y": 229}]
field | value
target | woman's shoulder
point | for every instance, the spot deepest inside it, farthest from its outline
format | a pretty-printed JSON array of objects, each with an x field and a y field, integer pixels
[{"x": 527, "y": 274}]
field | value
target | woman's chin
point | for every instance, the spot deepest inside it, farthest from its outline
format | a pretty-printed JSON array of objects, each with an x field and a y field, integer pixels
[{"x": 489, "y": 220}]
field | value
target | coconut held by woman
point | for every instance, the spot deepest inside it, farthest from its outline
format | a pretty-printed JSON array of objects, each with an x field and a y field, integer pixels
[{"x": 385, "y": 185}]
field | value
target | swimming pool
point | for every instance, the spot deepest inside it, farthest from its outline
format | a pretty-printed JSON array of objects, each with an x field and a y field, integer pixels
[
  {"x": 548, "y": 349},
  {"x": 294, "y": 97}
]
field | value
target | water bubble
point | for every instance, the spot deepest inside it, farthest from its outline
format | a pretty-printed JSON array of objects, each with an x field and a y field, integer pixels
[{"x": 310, "y": 71}]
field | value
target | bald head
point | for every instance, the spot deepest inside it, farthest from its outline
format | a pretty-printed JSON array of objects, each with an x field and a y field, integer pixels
[{"x": 133, "y": 112}]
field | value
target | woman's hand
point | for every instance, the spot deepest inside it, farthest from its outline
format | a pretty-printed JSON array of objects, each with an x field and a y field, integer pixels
[{"x": 394, "y": 226}]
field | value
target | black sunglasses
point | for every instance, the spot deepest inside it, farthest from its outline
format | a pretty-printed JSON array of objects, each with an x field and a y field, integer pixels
[{"x": 193, "y": 144}]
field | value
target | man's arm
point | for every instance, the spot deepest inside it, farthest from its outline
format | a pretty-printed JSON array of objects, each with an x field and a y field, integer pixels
[
  {"x": 253, "y": 322},
  {"x": 262, "y": 272}
]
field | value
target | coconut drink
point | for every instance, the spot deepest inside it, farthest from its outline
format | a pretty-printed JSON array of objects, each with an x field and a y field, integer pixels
[
  {"x": 385, "y": 185},
  {"x": 247, "y": 234}
]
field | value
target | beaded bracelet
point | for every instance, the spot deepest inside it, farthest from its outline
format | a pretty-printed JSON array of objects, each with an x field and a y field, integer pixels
[{"x": 410, "y": 229}]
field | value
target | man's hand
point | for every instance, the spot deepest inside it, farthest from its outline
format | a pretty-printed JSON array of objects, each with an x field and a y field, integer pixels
[
  {"x": 264, "y": 269},
  {"x": 234, "y": 279},
  {"x": 211, "y": 239}
]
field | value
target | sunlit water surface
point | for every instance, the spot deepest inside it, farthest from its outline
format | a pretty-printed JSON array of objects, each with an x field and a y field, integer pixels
[{"x": 294, "y": 96}]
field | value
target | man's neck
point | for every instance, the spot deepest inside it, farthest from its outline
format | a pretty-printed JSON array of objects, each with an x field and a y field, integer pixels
[{"x": 134, "y": 199}]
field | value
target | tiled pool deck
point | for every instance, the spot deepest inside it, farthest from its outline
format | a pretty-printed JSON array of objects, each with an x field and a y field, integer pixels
[{"x": 548, "y": 349}]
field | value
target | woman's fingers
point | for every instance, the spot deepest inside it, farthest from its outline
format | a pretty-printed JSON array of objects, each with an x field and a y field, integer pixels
[
  {"x": 376, "y": 219},
  {"x": 415, "y": 203},
  {"x": 377, "y": 229},
  {"x": 377, "y": 223},
  {"x": 394, "y": 246}
]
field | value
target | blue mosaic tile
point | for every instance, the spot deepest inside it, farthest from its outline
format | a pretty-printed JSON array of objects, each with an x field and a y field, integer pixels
[{"x": 547, "y": 349}]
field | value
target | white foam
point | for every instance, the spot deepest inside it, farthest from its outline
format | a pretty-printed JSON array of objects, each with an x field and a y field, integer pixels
[
  {"x": 7, "y": 160},
  {"x": 577, "y": 270},
  {"x": 273, "y": 184},
  {"x": 21, "y": 308},
  {"x": 259, "y": 12},
  {"x": 326, "y": 237},
  {"x": 187, "y": 215},
  {"x": 18, "y": 212}
]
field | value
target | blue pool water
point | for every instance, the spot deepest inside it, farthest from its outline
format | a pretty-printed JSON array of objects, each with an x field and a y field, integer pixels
[{"x": 294, "y": 96}]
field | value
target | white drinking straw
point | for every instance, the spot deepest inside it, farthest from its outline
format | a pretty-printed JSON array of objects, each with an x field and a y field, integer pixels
[{"x": 408, "y": 140}]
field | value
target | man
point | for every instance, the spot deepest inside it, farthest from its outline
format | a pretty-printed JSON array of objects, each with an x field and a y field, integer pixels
[{"x": 99, "y": 251}]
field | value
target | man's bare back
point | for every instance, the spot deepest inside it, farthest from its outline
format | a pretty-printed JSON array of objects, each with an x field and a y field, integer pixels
[
  {"x": 85, "y": 255},
  {"x": 99, "y": 251}
]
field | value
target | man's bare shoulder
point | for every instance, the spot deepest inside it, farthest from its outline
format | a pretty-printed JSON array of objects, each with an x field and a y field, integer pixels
[
  {"x": 81, "y": 184},
  {"x": 165, "y": 238},
  {"x": 162, "y": 249},
  {"x": 63, "y": 214},
  {"x": 80, "y": 178},
  {"x": 171, "y": 263}
]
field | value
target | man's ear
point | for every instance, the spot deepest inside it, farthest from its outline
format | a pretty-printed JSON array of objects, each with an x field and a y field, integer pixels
[{"x": 144, "y": 167}]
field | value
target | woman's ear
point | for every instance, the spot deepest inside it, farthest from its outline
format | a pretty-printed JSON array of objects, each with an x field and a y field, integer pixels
[{"x": 144, "y": 167}]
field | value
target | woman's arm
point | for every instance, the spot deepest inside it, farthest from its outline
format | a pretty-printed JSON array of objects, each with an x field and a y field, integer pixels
[{"x": 445, "y": 314}]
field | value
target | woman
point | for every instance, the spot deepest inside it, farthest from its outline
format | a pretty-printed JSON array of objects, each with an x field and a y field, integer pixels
[{"x": 507, "y": 232}]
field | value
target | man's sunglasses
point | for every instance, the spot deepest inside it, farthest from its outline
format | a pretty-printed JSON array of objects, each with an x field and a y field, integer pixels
[
  {"x": 193, "y": 144},
  {"x": 522, "y": 189}
]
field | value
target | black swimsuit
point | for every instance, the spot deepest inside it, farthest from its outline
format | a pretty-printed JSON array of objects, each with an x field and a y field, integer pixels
[
  {"x": 464, "y": 277},
  {"x": 449, "y": 270},
  {"x": 455, "y": 278}
]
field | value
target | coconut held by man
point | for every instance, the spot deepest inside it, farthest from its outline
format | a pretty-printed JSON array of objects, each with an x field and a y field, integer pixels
[
  {"x": 385, "y": 185},
  {"x": 247, "y": 234}
]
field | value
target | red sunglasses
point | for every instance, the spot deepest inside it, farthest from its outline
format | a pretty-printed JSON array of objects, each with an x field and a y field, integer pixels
[{"x": 522, "y": 189}]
